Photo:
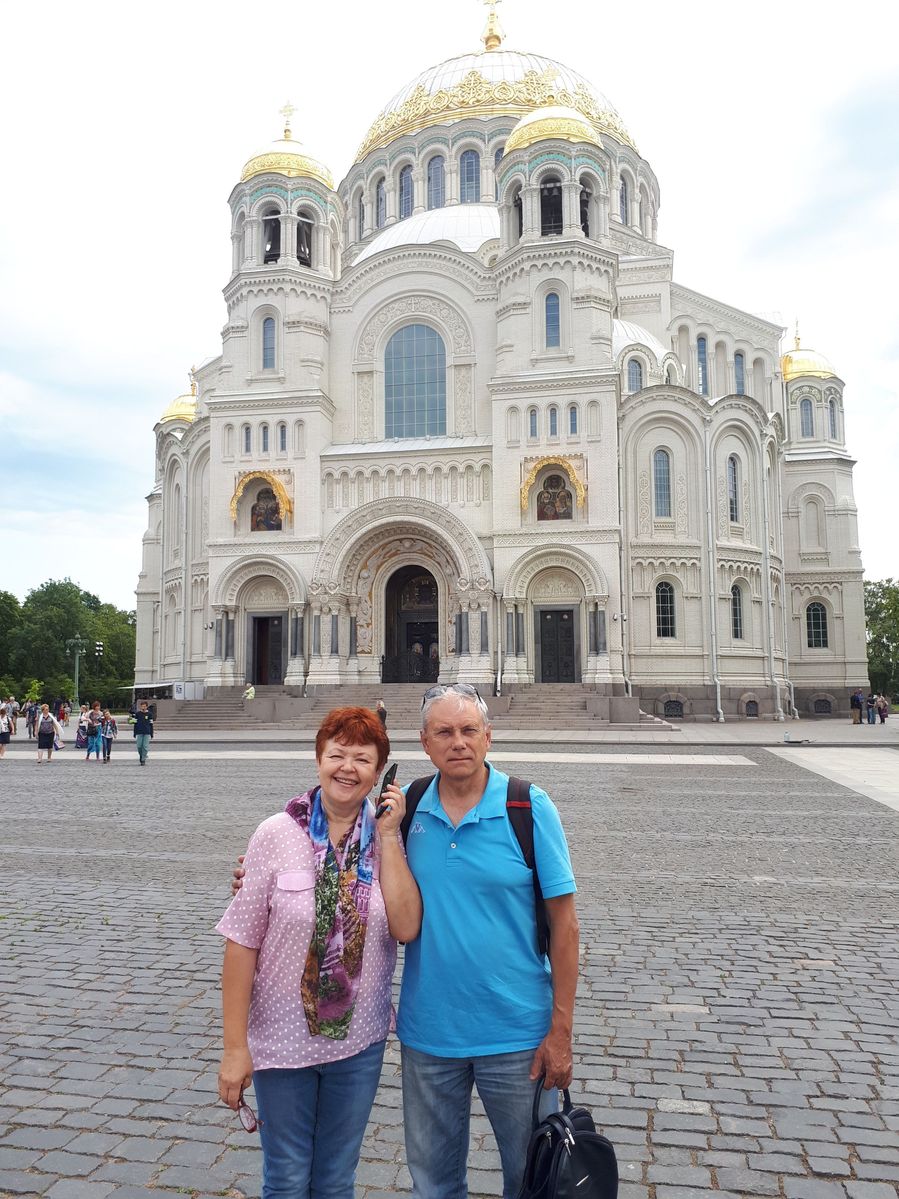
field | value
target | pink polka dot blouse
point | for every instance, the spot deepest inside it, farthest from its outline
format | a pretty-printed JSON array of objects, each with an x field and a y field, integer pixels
[{"x": 274, "y": 912}]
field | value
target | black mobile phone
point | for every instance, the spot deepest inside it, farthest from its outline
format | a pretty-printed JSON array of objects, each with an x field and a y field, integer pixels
[{"x": 387, "y": 780}]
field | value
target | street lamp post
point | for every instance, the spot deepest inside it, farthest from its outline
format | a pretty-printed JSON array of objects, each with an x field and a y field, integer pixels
[{"x": 77, "y": 645}]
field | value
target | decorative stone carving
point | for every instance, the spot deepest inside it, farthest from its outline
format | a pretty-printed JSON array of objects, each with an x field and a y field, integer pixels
[
  {"x": 229, "y": 586},
  {"x": 267, "y": 593},
  {"x": 364, "y": 406},
  {"x": 530, "y": 565},
  {"x": 680, "y": 505},
  {"x": 747, "y": 511},
  {"x": 464, "y": 413},
  {"x": 643, "y": 509},
  {"x": 412, "y": 306},
  {"x": 723, "y": 513},
  {"x": 555, "y": 585}
]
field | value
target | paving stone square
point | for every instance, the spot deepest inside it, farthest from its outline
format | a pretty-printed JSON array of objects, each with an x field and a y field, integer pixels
[{"x": 736, "y": 1030}]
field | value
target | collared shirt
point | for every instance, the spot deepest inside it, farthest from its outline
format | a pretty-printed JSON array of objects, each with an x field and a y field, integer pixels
[{"x": 473, "y": 981}]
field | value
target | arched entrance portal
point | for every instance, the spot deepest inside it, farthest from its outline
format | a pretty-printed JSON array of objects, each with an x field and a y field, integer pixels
[{"x": 411, "y": 637}]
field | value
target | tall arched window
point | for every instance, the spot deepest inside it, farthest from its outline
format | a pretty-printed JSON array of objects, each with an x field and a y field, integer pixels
[
  {"x": 406, "y": 197},
  {"x": 360, "y": 216},
  {"x": 806, "y": 418},
  {"x": 623, "y": 201},
  {"x": 304, "y": 239},
  {"x": 553, "y": 320},
  {"x": 702, "y": 361},
  {"x": 415, "y": 383},
  {"x": 739, "y": 374},
  {"x": 832, "y": 414},
  {"x": 554, "y": 422},
  {"x": 816, "y": 626},
  {"x": 665, "y": 622},
  {"x": 634, "y": 375},
  {"x": 436, "y": 182},
  {"x": 532, "y": 424},
  {"x": 282, "y": 438},
  {"x": 268, "y": 344},
  {"x": 733, "y": 489},
  {"x": 736, "y": 612},
  {"x": 264, "y": 438},
  {"x": 271, "y": 236},
  {"x": 497, "y": 159},
  {"x": 550, "y": 206},
  {"x": 380, "y": 204},
  {"x": 586, "y": 196},
  {"x": 661, "y": 484},
  {"x": 572, "y": 420},
  {"x": 247, "y": 439},
  {"x": 470, "y": 177}
]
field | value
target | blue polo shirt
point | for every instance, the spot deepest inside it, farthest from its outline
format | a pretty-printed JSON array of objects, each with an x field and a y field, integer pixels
[{"x": 473, "y": 981}]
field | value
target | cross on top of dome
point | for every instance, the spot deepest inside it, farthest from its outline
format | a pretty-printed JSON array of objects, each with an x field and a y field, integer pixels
[{"x": 492, "y": 37}]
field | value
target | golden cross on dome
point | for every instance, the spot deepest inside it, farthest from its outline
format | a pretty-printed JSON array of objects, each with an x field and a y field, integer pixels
[
  {"x": 492, "y": 36},
  {"x": 287, "y": 112}
]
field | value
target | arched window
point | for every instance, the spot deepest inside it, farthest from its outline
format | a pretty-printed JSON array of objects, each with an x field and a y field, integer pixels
[
  {"x": 816, "y": 626},
  {"x": 228, "y": 441},
  {"x": 282, "y": 438},
  {"x": 806, "y": 418},
  {"x": 733, "y": 489},
  {"x": 497, "y": 159},
  {"x": 268, "y": 344},
  {"x": 553, "y": 320},
  {"x": 532, "y": 423},
  {"x": 739, "y": 374},
  {"x": 406, "y": 197},
  {"x": 550, "y": 206},
  {"x": 360, "y": 216},
  {"x": 702, "y": 361},
  {"x": 265, "y": 515},
  {"x": 665, "y": 624},
  {"x": 304, "y": 240},
  {"x": 470, "y": 177},
  {"x": 671, "y": 376},
  {"x": 832, "y": 414},
  {"x": 623, "y": 201},
  {"x": 585, "y": 198},
  {"x": 271, "y": 236},
  {"x": 380, "y": 204},
  {"x": 634, "y": 375},
  {"x": 263, "y": 432},
  {"x": 572, "y": 420},
  {"x": 736, "y": 612},
  {"x": 436, "y": 182},
  {"x": 246, "y": 439},
  {"x": 554, "y": 422},
  {"x": 415, "y": 383},
  {"x": 661, "y": 483},
  {"x": 513, "y": 426}
]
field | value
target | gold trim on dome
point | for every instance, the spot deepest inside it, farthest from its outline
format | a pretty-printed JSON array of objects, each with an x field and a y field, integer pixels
[
  {"x": 564, "y": 464},
  {"x": 540, "y": 130},
  {"x": 799, "y": 363},
  {"x": 289, "y": 163},
  {"x": 475, "y": 96},
  {"x": 274, "y": 482}
]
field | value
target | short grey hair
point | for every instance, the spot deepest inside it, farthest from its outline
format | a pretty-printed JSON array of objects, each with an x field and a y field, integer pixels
[{"x": 461, "y": 691}]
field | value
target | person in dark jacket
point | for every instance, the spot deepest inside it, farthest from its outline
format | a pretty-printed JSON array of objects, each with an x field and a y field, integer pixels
[{"x": 143, "y": 731}]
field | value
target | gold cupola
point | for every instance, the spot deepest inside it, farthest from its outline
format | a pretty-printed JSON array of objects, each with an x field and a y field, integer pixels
[
  {"x": 182, "y": 407},
  {"x": 287, "y": 157},
  {"x": 800, "y": 362},
  {"x": 551, "y": 121}
]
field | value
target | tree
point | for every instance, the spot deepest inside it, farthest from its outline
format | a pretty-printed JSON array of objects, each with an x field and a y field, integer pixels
[
  {"x": 882, "y": 616},
  {"x": 10, "y": 615}
]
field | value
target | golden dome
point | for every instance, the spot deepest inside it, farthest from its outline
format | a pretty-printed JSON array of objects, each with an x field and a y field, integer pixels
[
  {"x": 553, "y": 121},
  {"x": 182, "y": 407},
  {"x": 798, "y": 362},
  {"x": 286, "y": 157},
  {"x": 495, "y": 82}
]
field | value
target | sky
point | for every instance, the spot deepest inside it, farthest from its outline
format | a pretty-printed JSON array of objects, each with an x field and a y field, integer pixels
[{"x": 773, "y": 130}]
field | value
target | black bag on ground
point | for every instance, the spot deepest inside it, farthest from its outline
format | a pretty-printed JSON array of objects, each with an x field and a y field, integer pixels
[{"x": 567, "y": 1157}]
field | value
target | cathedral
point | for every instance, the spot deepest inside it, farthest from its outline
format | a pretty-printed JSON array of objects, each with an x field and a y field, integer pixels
[{"x": 466, "y": 425}]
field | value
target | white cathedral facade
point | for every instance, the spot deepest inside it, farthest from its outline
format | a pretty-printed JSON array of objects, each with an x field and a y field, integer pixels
[{"x": 466, "y": 425}]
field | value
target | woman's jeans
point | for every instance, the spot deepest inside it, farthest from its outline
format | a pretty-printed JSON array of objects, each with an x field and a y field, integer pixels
[
  {"x": 437, "y": 1108},
  {"x": 312, "y": 1124}
]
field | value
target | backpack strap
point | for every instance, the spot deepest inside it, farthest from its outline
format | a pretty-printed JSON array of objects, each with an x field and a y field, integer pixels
[
  {"x": 414, "y": 792},
  {"x": 521, "y": 817}
]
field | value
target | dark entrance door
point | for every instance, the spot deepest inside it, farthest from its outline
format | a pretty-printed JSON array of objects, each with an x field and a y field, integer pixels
[
  {"x": 267, "y": 650},
  {"x": 411, "y": 643},
  {"x": 557, "y": 646}
]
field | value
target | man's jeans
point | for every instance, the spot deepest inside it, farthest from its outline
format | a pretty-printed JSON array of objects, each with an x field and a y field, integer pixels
[
  {"x": 143, "y": 745},
  {"x": 312, "y": 1124},
  {"x": 436, "y": 1111}
]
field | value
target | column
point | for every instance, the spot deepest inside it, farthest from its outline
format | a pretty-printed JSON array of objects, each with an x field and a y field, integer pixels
[
  {"x": 571, "y": 210},
  {"x": 591, "y": 629},
  {"x": 601, "y": 644},
  {"x": 419, "y": 191},
  {"x": 510, "y": 630},
  {"x": 252, "y": 235},
  {"x": 520, "y": 649},
  {"x": 288, "y": 255},
  {"x": 217, "y": 651},
  {"x": 335, "y": 632},
  {"x": 229, "y": 617},
  {"x": 316, "y": 633},
  {"x": 296, "y": 665},
  {"x": 236, "y": 263}
]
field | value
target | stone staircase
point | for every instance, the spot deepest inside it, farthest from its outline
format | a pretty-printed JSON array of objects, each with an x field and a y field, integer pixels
[{"x": 220, "y": 712}]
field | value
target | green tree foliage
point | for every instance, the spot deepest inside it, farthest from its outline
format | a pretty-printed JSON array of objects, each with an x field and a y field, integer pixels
[
  {"x": 33, "y": 639},
  {"x": 882, "y": 615}
]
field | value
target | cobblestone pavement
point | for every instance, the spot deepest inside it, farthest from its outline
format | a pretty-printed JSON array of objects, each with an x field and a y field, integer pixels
[{"x": 737, "y": 1015}]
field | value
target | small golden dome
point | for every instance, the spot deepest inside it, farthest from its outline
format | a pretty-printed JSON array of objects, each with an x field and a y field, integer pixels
[
  {"x": 551, "y": 121},
  {"x": 286, "y": 157},
  {"x": 182, "y": 407},
  {"x": 800, "y": 362}
]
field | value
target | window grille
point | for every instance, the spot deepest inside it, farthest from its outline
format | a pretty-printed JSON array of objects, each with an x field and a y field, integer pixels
[
  {"x": 415, "y": 383},
  {"x": 550, "y": 207},
  {"x": 736, "y": 612},
  {"x": 816, "y": 626},
  {"x": 436, "y": 182},
  {"x": 752, "y": 708},
  {"x": 823, "y": 707},
  {"x": 406, "y": 192},
  {"x": 674, "y": 709},
  {"x": 268, "y": 344},
  {"x": 733, "y": 490},
  {"x": 470, "y": 177}
]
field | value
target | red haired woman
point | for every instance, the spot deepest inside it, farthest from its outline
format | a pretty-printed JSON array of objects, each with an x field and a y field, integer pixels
[{"x": 309, "y": 960}]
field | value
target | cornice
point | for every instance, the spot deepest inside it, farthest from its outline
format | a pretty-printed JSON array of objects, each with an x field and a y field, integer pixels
[
  {"x": 511, "y": 385},
  {"x": 263, "y": 543},
  {"x": 716, "y": 308},
  {"x": 578, "y": 534},
  {"x": 644, "y": 551},
  {"x": 257, "y": 401},
  {"x": 823, "y": 576},
  {"x": 387, "y": 264},
  {"x": 581, "y": 252},
  {"x": 281, "y": 280}
]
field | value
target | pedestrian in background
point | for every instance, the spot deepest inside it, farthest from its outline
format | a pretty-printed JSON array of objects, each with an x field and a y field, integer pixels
[
  {"x": 94, "y": 733},
  {"x": 109, "y": 730},
  {"x": 5, "y": 729},
  {"x": 31, "y": 711},
  {"x": 381, "y": 709},
  {"x": 48, "y": 729},
  {"x": 250, "y": 692},
  {"x": 871, "y": 707},
  {"x": 855, "y": 705},
  {"x": 143, "y": 731}
]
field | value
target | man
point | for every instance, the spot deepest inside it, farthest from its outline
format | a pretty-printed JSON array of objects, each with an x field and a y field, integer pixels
[
  {"x": 143, "y": 731},
  {"x": 477, "y": 1003},
  {"x": 250, "y": 692}
]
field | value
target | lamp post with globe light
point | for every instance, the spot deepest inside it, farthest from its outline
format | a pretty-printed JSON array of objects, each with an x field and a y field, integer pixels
[{"x": 77, "y": 646}]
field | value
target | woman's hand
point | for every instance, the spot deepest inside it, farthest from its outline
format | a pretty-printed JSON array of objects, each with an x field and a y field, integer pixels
[
  {"x": 389, "y": 823},
  {"x": 235, "y": 1075}
]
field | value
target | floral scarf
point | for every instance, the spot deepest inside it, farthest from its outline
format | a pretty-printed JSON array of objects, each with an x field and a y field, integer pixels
[{"x": 343, "y": 878}]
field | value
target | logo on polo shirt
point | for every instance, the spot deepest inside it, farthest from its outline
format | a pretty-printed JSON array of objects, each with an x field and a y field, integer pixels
[{"x": 417, "y": 827}]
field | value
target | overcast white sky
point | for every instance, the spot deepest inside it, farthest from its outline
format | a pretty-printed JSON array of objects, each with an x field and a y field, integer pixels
[{"x": 773, "y": 129}]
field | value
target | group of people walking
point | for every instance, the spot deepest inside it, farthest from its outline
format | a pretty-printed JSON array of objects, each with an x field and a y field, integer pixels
[
  {"x": 868, "y": 707},
  {"x": 97, "y": 728}
]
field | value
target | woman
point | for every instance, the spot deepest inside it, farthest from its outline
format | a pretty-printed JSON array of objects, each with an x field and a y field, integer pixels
[
  {"x": 5, "y": 729},
  {"x": 48, "y": 729},
  {"x": 94, "y": 733},
  {"x": 309, "y": 961},
  {"x": 109, "y": 730}
]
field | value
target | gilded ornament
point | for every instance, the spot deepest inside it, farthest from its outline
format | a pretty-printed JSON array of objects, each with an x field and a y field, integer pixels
[
  {"x": 564, "y": 464},
  {"x": 274, "y": 482}
]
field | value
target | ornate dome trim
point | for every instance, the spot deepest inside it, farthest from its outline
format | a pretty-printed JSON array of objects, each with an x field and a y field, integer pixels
[{"x": 554, "y": 121}]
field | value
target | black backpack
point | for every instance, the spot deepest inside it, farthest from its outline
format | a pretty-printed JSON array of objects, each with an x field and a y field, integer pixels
[
  {"x": 518, "y": 810},
  {"x": 567, "y": 1158}
]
